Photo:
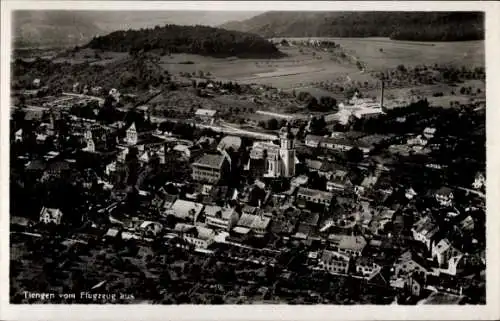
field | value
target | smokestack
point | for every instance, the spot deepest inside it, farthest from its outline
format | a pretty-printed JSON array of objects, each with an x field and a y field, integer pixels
[{"x": 382, "y": 96}]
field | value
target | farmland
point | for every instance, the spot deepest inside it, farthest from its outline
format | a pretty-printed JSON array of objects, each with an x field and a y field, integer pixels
[{"x": 324, "y": 71}]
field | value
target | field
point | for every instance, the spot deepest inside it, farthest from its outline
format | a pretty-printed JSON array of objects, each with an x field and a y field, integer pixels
[
  {"x": 305, "y": 67},
  {"x": 315, "y": 70}
]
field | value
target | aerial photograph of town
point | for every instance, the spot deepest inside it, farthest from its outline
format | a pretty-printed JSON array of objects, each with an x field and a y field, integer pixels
[{"x": 220, "y": 157}]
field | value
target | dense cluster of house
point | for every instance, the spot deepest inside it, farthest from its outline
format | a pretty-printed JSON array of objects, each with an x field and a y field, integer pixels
[{"x": 347, "y": 226}]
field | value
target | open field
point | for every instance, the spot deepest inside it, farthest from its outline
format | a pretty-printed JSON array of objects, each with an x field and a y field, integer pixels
[{"x": 382, "y": 53}]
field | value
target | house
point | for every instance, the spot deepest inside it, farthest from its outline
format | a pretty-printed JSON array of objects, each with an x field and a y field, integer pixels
[
  {"x": 425, "y": 231},
  {"x": 479, "y": 180},
  {"x": 18, "y": 135},
  {"x": 429, "y": 132},
  {"x": 338, "y": 181},
  {"x": 314, "y": 196},
  {"x": 409, "y": 263},
  {"x": 51, "y": 215},
  {"x": 334, "y": 262},
  {"x": 206, "y": 115},
  {"x": 416, "y": 141},
  {"x": 352, "y": 245},
  {"x": 410, "y": 193},
  {"x": 222, "y": 218},
  {"x": 185, "y": 210},
  {"x": 366, "y": 267},
  {"x": 187, "y": 152},
  {"x": 444, "y": 196},
  {"x": 313, "y": 165},
  {"x": 90, "y": 146},
  {"x": 258, "y": 224},
  {"x": 313, "y": 141},
  {"x": 380, "y": 220},
  {"x": 229, "y": 143},
  {"x": 112, "y": 233},
  {"x": 150, "y": 228},
  {"x": 199, "y": 236},
  {"x": 443, "y": 251},
  {"x": 467, "y": 224},
  {"x": 210, "y": 168},
  {"x": 308, "y": 224}
]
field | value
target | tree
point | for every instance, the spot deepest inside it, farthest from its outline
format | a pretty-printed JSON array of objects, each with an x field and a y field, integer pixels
[
  {"x": 272, "y": 124},
  {"x": 354, "y": 155}
]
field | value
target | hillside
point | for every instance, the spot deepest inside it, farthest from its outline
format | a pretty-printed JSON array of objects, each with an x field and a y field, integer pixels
[
  {"x": 52, "y": 28},
  {"x": 65, "y": 28},
  {"x": 131, "y": 74},
  {"x": 418, "y": 26},
  {"x": 200, "y": 40}
]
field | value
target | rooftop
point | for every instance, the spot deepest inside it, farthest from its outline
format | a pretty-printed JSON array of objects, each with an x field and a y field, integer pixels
[
  {"x": 348, "y": 242},
  {"x": 314, "y": 193},
  {"x": 210, "y": 160},
  {"x": 205, "y": 112},
  {"x": 232, "y": 142},
  {"x": 218, "y": 212}
]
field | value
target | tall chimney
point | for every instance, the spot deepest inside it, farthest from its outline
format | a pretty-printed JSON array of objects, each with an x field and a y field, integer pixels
[{"x": 382, "y": 96}]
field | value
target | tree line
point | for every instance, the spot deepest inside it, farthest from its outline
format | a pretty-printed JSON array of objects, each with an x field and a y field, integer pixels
[{"x": 200, "y": 40}]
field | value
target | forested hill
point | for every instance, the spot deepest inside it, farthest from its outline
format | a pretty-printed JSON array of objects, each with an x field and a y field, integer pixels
[
  {"x": 417, "y": 26},
  {"x": 200, "y": 40}
]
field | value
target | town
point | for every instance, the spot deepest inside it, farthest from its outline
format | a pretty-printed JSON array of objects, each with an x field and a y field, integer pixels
[{"x": 184, "y": 188}]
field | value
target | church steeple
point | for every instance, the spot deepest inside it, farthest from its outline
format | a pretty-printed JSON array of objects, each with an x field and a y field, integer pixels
[{"x": 287, "y": 152}]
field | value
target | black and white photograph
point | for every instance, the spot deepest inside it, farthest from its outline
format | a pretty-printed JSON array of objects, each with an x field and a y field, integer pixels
[{"x": 175, "y": 157}]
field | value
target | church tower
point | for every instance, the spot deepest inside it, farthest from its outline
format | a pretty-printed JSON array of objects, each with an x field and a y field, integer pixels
[
  {"x": 287, "y": 152},
  {"x": 131, "y": 137}
]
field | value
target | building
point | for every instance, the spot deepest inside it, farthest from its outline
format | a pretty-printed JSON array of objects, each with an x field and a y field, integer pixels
[
  {"x": 366, "y": 267},
  {"x": 479, "y": 180},
  {"x": 199, "y": 236},
  {"x": 185, "y": 210},
  {"x": 337, "y": 143},
  {"x": 150, "y": 228},
  {"x": 257, "y": 224},
  {"x": 206, "y": 115},
  {"x": 18, "y": 135},
  {"x": 132, "y": 136},
  {"x": 334, "y": 262},
  {"x": 338, "y": 181},
  {"x": 444, "y": 196},
  {"x": 229, "y": 143},
  {"x": 313, "y": 141},
  {"x": 425, "y": 231},
  {"x": 210, "y": 168},
  {"x": 416, "y": 141},
  {"x": 313, "y": 165},
  {"x": 314, "y": 196},
  {"x": 280, "y": 160},
  {"x": 443, "y": 251},
  {"x": 429, "y": 132},
  {"x": 51, "y": 215},
  {"x": 409, "y": 263},
  {"x": 221, "y": 218},
  {"x": 352, "y": 245}
]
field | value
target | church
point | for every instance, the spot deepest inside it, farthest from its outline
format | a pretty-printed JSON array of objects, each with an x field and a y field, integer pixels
[{"x": 278, "y": 160}]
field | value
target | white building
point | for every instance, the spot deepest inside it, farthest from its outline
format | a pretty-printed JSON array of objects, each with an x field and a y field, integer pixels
[
  {"x": 222, "y": 218},
  {"x": 443, "y": 251},
  {"x": 131, "y": 137},
  {"x": 51, "y": 215},
  {"x": 279, "y": 160},
  {"x": 479, "y": 181},
  {"x": 18, "y": 136},
  {"x": 334, "y": 262}
]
